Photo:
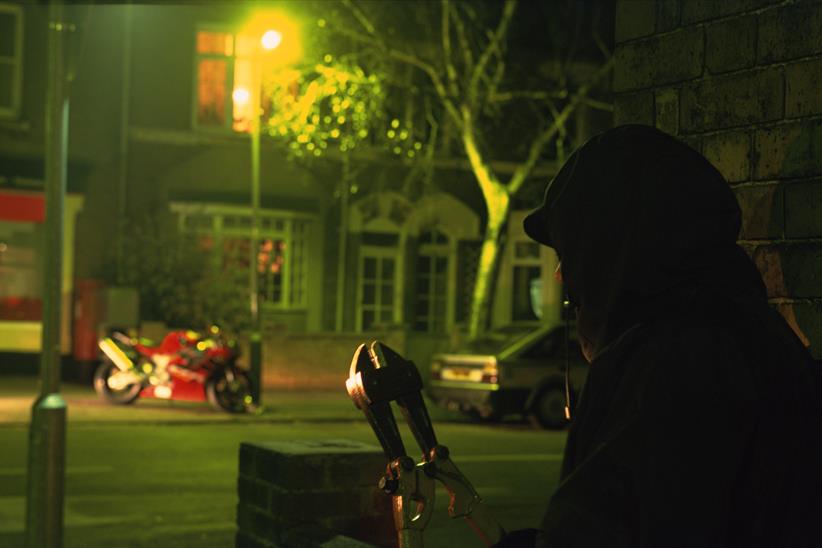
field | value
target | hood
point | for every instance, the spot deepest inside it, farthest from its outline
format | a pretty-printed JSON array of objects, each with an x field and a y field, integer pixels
[{"x": 638, "y": 218}]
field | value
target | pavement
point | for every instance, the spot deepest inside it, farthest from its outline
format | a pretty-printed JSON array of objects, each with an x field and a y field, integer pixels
[
  {"x": 161, "y": 474},
  {"x": 17, "y": 394}
]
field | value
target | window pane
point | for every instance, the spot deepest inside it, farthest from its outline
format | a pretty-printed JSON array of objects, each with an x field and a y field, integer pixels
[
  {"x": 526, "y": 250},
  {"x": 7, "y": 34},
  {"x": 370, "y": 268},
  {"x": 386, "y": 316},
  {"x": 217, "y": 43},
  {"x": 387, "y": 295},
  {"x": 388, "y": 269},
  {"x": 201, "y": 222},
  {"x": 438, "y": 285},
  {"x": 237, "y": 222},
  {"x": 241, "y": 95},
  {"x": 423, "y": 264},
  {"x": 368, "y": 293},
  {"x": 211, "y": 92},
  {"x": 6, "y": 84},
  {"x": 440, "y": 264},
  {"x": 523, "y": 302},
  {"x": 367, "y": 319}
]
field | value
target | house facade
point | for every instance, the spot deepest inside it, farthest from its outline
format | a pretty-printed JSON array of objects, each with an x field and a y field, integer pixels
[{"x": 159, "y": 130}]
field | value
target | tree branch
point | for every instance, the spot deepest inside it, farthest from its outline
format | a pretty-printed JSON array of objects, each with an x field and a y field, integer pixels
[
  {"x": 450, "y": 71},
  {"x": 361, "y": 18},
  {"x": 599, "y": 105},
  {"x": 506, "y": 96},
  {"x": 492, "y": 47},
  {"x": 407, "y": 58},
  {"x": 467, "y": 54},
  {"x": 525, "y": 168}
]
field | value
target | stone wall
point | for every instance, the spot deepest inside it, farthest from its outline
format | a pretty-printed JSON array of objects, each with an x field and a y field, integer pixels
[{"x": 741, "y": 81}]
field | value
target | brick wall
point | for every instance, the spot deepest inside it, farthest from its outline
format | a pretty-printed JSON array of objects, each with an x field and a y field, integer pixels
[
  {"x": 305, "y": 494},
  {"x": 741, "y": 81}
]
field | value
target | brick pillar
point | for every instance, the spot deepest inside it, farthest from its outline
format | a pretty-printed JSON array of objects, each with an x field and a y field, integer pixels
[{"x": 309, "y": 493}]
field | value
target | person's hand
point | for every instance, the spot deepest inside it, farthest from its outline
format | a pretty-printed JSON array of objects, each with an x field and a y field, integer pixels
[{"x": 521, "y": 538}]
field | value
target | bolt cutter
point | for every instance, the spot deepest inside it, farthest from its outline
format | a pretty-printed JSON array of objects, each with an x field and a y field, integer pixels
[{"x": 378, "y": 376}]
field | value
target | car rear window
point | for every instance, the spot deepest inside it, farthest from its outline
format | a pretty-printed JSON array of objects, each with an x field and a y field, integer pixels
[{"x": 497, "y": 340}]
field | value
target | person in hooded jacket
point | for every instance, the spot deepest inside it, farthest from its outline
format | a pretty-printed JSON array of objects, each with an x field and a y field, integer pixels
[{"x": 699, "y": 422}]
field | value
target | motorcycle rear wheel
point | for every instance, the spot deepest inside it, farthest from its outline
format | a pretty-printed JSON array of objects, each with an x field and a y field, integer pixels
[
  {"x": 225, "y": 394},
  {"x": 119, "y": 397}
]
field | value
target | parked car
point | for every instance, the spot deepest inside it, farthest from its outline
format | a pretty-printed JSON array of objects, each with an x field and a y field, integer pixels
[{"x": 518, "y": 369}]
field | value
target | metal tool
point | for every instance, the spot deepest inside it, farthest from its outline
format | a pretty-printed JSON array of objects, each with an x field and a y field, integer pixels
[{"x": 378, "y": 376}]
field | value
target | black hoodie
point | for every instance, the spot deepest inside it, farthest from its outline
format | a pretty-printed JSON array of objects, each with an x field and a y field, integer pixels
[{"x": 699, "y": 421}]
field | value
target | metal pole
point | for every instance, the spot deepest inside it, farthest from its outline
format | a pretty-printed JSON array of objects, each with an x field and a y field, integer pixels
[
  {"x": 47, "y": 432},
  {"x": 255, "y": 343},
  {"x": 122, "y": 163},
  {"x": 341, "y": 243}
]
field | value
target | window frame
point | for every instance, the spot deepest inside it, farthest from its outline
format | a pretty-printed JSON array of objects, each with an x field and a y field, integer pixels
[
  {"x": 379, "y": 252},
  {"x": 13, "y": 110},
  {"x": 434, "y": 251},
  {"x": 286, "y": 232},
  {"x": 530, "y": 261}
]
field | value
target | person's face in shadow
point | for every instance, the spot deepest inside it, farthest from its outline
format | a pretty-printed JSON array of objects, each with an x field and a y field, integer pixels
[{"x": 585, "y": 344}]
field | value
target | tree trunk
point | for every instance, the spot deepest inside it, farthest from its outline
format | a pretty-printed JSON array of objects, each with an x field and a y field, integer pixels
[{"x": 486, "y": 269}]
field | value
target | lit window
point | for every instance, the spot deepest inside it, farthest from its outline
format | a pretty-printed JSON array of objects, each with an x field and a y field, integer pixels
[
  {"x": 215, "y": 55},
  {"x": 281, "y": 251},
  {"x": 225, "y": 80},
  {"x": 11, "y": 66}
]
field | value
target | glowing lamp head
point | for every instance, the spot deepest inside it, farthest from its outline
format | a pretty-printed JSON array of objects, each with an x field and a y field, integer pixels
[
  {"x": 241, "y": 96},
  {"x": 271, "y": 39}
]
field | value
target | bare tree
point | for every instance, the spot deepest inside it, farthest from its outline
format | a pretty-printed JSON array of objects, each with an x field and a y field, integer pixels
[{"x": 464, "y": 61}]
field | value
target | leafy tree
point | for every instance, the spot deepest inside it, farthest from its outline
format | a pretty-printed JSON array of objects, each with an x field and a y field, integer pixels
[{"x": 403, "y": 75}]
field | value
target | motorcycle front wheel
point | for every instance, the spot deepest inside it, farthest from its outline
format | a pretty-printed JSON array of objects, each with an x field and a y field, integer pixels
[
  {"x": 229, "y": 390},
  {"x": 127, "y": 394}
]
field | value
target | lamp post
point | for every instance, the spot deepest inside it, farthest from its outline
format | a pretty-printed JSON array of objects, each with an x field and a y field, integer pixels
[
  {"x": 269, "y": 40},
  {"x": 47, "y": 431}
]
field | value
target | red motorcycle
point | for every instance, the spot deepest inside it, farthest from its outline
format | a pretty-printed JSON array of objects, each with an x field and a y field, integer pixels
[{"x": 185, "y": 366}]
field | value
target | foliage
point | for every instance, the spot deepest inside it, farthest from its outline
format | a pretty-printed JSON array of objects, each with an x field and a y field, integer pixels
[
  {"x": 333, "y": 105},
  {"x": 330, "y": 103},
  {"x": 178, "y": 282}
]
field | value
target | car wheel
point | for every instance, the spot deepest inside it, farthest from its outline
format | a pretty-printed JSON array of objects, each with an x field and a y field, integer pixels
[{"x": 548, "y": 410}]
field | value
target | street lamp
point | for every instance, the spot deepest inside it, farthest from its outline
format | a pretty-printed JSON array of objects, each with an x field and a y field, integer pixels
[
  {"x": 269, "y": 41},
  {"x": 270, "y": 30}
]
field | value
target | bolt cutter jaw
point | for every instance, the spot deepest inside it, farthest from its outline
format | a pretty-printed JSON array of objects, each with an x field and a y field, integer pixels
[{"x": 378, "y": 375}]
